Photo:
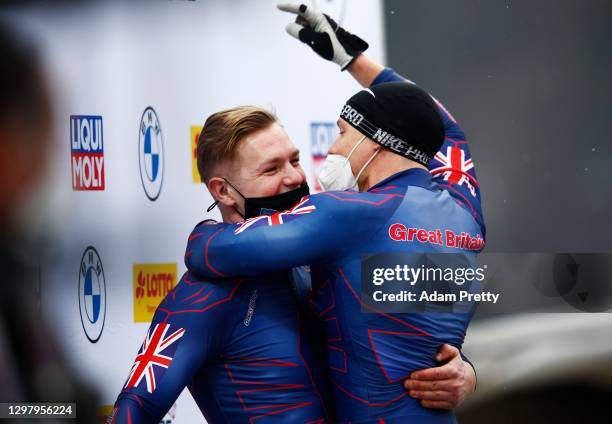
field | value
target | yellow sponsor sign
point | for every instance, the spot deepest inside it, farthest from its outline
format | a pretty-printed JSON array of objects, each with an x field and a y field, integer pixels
[
  {"x": 152, "y": 282},
  {"x": 195, "y": 134},
  {"x": 104, "y": 413}
]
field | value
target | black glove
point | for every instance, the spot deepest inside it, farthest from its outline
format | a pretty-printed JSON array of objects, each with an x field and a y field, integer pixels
[{"x": 324, "y": 35}]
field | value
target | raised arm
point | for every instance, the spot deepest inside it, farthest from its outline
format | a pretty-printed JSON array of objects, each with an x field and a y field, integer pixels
[
  {"x": 452, "y": 167},
  {"x": 448, "y": 385}
]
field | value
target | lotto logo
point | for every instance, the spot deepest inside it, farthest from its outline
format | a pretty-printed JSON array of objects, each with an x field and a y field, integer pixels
[
  {"x": 152, "y": 282},
  {"x": 87, "y": 152}
]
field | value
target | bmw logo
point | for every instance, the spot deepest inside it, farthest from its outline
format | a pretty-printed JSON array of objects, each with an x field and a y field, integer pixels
[
  {"x": 151, "y": 153},
  {"x": 92, "y": 294}
]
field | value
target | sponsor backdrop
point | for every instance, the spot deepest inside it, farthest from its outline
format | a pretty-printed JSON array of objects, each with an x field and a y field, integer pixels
[{"x": 132, "y": 84}]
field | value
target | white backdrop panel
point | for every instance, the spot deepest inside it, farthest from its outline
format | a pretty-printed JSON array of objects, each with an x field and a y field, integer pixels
[{"x": 186, "y": 59}]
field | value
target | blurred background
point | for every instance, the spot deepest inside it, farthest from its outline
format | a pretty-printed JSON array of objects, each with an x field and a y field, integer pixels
[{"x": 529, "y": 82}]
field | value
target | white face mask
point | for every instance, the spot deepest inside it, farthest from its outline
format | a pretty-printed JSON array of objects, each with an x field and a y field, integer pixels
[{"x": 336, "y": 173}]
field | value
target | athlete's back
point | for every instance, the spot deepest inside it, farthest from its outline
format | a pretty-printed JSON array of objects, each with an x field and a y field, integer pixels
[
  {"x": 265, "y": 370},
  {"x": 372, "y": 352}
]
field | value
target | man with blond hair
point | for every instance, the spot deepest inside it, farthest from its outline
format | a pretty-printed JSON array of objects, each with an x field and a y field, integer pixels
[{"x": 242, "y": 347}]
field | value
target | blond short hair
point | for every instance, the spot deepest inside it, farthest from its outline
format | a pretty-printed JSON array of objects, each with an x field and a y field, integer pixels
[{"x": 223, "y": 133}]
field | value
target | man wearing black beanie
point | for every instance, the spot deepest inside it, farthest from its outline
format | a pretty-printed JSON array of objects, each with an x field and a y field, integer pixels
[
  {"x": 397, "y": 121},
  {"x": 390, "y": 134},
  {"x": 399, "y": 116}
]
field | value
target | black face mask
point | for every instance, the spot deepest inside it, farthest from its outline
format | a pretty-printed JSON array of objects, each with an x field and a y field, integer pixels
[{"x": 255, "y": 206}]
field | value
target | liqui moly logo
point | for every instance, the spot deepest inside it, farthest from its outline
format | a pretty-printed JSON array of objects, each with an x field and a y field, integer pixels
[{"x": 87, "y": 152}]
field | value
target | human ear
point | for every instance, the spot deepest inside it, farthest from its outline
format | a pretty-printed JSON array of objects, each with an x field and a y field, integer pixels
[{"x": 219, "y": 190}]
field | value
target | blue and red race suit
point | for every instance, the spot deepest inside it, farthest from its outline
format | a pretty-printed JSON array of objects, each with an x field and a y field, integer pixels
[
  {"x": 369, "y": 354},
  {"x": 241, "y": 347}
]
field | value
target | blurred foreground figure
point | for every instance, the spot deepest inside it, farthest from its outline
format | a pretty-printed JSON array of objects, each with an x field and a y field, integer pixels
[{"x": 30, "y": 365}]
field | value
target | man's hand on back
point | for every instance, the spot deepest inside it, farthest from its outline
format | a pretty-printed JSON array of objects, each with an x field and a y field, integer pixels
[
  {"x": 324, "y": 35},
  {"x": 446, "y": 386}
]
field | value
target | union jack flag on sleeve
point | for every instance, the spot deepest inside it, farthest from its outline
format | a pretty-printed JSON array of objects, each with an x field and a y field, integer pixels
[
  {"x": 176, "y": 344},
  {"x": 154, "y": 356},
  {"x": 277, "y": 218}
]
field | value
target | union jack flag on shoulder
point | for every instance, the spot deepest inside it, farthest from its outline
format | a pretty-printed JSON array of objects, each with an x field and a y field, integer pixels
[{"x": 454, "y": 167}]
